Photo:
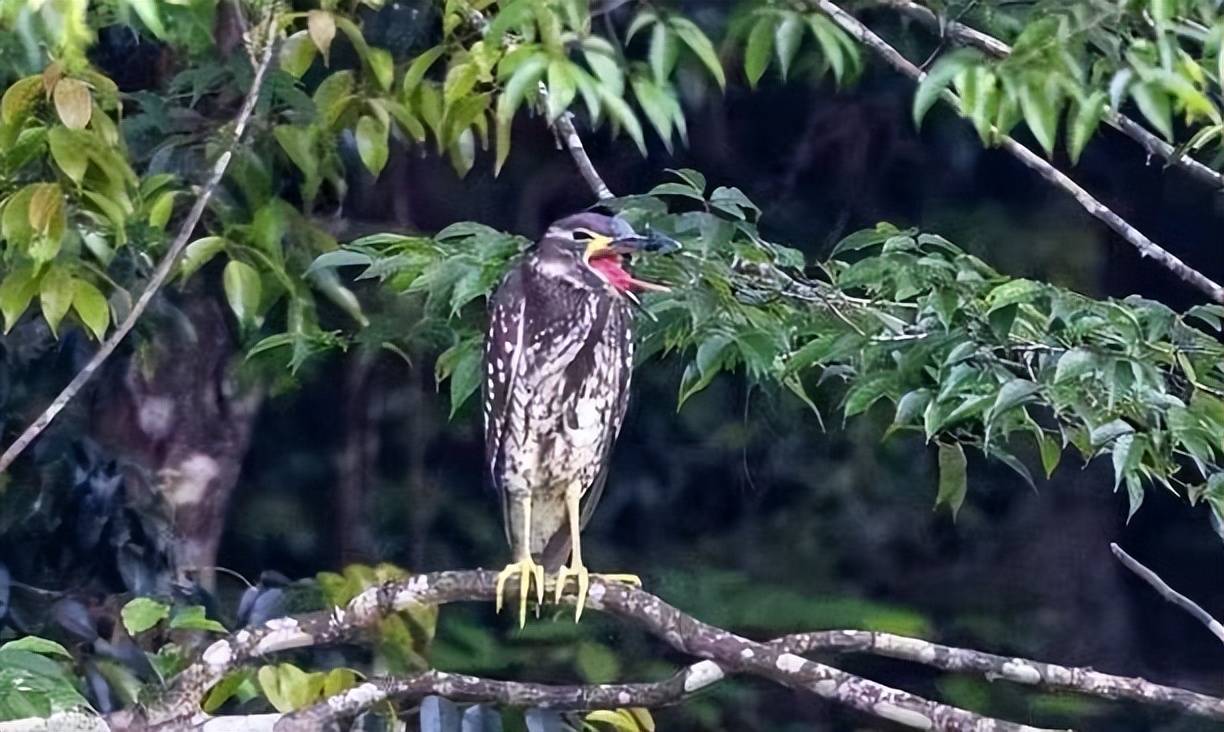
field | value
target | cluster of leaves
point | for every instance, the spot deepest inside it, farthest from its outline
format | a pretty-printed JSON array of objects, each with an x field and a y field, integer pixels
[
  {"x": 967, "y": 356},
  {"x": 1081, "y": 60}
]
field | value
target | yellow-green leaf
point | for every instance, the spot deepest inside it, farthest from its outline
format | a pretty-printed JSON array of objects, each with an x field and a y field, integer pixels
[
  {"x": 199, "y": 252},
  {"x": 159, "y": 212},
  {"x": 19, "y": 99},
  {"x": 73, "y": 103},
  {"x": 287, "y": 687},
  {"x": 242, "y": 290},
  {"x": 372, "y": 143},
  {"x": 561, "y": 87},
  {"x": 952, "y": 477},
  {"x": 142, "y": 613},
  {"x": 297, "y": 54},
  {"x": 55, "y": 296},
  {"x": 91, "y": 307},
  {"x": 382, "y": 66},
  {"x": 68, "y": 153},
  {"x": 16, "y": 292},
  {"x": 418, "y": 68},
  {"x": 15, "y": 223},
  {"x": 787, "y": 38}
]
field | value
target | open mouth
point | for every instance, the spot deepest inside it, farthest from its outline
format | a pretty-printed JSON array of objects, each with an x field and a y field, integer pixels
[{"x": 611, "y": 265}]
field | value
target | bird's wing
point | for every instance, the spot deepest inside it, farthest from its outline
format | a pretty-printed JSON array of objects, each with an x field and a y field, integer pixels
[
  {"x": 503, "y": 344},
  {"x": 620, "y": 332}
]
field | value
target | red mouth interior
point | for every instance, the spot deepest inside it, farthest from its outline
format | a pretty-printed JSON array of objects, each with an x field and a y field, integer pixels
[{"x": 609, "y": 264}]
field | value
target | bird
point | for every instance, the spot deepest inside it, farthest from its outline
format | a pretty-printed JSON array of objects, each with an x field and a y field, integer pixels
[{"x": 558, "y": 360}]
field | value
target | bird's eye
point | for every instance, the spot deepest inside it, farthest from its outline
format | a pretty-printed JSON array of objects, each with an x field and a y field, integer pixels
[{"x": 583, "y": 235}]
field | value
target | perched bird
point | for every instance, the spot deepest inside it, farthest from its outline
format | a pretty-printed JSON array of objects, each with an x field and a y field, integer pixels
[{"x": 558, "y": 358}]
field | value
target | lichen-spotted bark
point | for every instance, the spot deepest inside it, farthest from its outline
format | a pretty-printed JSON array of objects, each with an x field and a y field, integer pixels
[{"x": 186, "y": 421}]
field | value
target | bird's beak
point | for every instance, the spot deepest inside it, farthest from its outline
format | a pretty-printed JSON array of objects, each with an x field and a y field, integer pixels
[{"x": 652, "y": 242}]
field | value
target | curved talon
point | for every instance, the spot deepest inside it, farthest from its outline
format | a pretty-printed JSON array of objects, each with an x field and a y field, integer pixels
[
  {"x": 583, "y": 576},
  {"x": 527, "y": 570}
]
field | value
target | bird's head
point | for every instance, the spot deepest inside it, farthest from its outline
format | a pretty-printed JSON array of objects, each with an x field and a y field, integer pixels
[{"x": 604, "y": 244}]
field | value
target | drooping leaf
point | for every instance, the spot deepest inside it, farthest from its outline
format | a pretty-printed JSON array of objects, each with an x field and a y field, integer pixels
[
  {"x": 55, "y": 296},
  {"x": 936, "y": 81},
  {"x": 142, "y": 613},
  {"x": 371, "y": 137},
  {"x": 91, "y": 307},
  {"x": 952, "y": 477},
  {"x": 321, "y": 25},
  {"x": 759, "y": 49},
  {"x": 697, "y": 42},
  {"x": 73, "y": 103},
  {"x": 242, "y": 290}
]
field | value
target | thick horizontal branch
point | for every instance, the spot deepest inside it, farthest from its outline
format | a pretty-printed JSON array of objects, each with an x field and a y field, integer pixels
[
  {"x": 965, "y": 35},
  {"x": 1133, "y": 236},
  {"x": 729, "y": 652}
]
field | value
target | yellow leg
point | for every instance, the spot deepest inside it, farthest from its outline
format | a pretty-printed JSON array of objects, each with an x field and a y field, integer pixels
[
  {"x": 576, "y": 568},
  {"x": 526, "y": 569}
]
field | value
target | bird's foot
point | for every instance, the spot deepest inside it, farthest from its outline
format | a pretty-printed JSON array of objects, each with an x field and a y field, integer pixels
[
  {"x": 527, "y": 571},
  {"x": 583, "y": 578}
]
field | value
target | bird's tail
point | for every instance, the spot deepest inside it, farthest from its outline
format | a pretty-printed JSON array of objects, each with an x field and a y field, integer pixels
[{"x": 556, "y": 551}]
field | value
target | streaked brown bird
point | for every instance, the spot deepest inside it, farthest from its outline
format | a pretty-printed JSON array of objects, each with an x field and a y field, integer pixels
[{"x": 558, "y": 359}]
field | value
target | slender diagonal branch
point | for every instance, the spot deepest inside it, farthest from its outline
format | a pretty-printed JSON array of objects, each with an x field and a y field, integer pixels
[
  {"x": 968, "y": 36},
  {"x": 164, "y": 268},
  {"x": 1168, "y": 593},
  {"x": 568, "y": 136},
  {"x": 1146, "y": 247}
]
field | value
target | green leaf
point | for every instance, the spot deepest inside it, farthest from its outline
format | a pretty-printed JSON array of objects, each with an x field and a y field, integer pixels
[
  {"x": 865, "y": 393},
  {"x": 16, "y": 292},
  {"x": 1013, "y": 394},
  {"x": 143, "y": 613},
  {"x": 1153, "y": 102},
  {"x": 193, "y": 618},
  {"x": 297, "y": 54},
  {"x": 159, "y": 212},
  {"x": 1134, "y": 494},
  {"x": 55, "y": 296},
  {"x": 1051, "y": 451},
  {"x": 938, "y": 78},
  {"x": 620, "y": 112},
  {"x": 34, "y": 644},
  {"x": 830, "y": 38},
  {"x": 461, "y": 364},
  {"x": 654, "y": 103},
  {"x": 372, "y": 143},
  {"x": 662, "y": 54},
  {"x": 1040, "y": 114},
  {"x": 67, "y": 153},
  {"x": 700, "y": 45},
  {"x": 1073, "y": 364},
  {"x": 561, "y": 88},
  {"x": 521, "y": 82},
  {"x": 1102, "y": 434},
  {"x": 20, "y": 98},
  {"x": 1084, "y": 124},
  {"x": 242, "y": 291},
  {"x": 288, "y": 688},
  {"x": 460, "y": 80},
  {"x": 418, "y": 68},
  {"x": 199, "y": 252},
  {"x": 759, "y": 48},
  {"x": 321, "y": 26},
  {"x": 1013, "y": 292},
  {"x": 953, "y": 480},
  {"x": 91, "y": 307},
  {"x": 787, "y": 37},
  {"x": 712, "y": 355},
  {"x": 382, "y": 65},
  {"x": 1122, "y": 448},
  {"x": 864, "y": 238}
]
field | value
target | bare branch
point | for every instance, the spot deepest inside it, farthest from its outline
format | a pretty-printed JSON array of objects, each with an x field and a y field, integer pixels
[
  {"x": 164, "y": 268},
  {"x": 1146, "y": 246},
  {"x": 968, "y": 36},
  {"x": 567, "y": 135},
  {"x": 1169, "y": 593},
  {"x": 464, "y": 688},
  {"x": 1009, "y": 668},
  {"x": 725, "y": 653}
]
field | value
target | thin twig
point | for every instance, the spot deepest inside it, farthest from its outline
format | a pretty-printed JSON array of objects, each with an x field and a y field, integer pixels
[
  {"x": 1146, "y": 246},
  {"x": 1168, "y": 593},
  {"x": 968, "y": 36},
  {"x": 568, "y": 136},
  {"x": 163, "y": 270}
]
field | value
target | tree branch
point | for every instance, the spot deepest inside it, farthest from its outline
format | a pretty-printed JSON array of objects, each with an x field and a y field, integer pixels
[
  {"x": 1146, "y": 247},
  {"x": 1169, "y": 593},
  {"x": 164, "y": 268},
  {"x": 568, "y": 136},
  {"x": 968, "y": 36},
  {"x": 725, "y": 653}
]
